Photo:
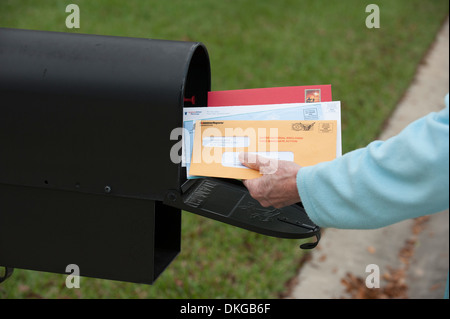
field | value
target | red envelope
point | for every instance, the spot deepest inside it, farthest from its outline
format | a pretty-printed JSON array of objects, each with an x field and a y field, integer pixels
[{"x": 276, "y": 95}]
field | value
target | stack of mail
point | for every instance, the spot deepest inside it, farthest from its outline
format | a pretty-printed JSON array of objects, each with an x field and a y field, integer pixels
[{"x": 305, "y": 133}]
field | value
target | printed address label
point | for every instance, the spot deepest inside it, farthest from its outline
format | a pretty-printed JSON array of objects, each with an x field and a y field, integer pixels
[{"x": 226, "y": 141}]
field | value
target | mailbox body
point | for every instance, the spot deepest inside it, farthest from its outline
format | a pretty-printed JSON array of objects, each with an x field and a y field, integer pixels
[{"x": 85, "y": 125}]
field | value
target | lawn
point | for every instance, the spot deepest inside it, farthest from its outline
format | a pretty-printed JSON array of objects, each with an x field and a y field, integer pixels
[{"x": 252, "y": 43}]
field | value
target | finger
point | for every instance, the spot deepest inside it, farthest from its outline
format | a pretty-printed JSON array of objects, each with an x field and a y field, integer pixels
[
  {"x": 253, "y": 161},
  {"x": 251, "y": 184},
  {"x": 265, "y": 203},
  {"x": 248, "y": 160}
]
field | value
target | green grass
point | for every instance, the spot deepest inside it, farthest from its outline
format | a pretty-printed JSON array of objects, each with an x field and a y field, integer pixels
[{"x": 252, "y": 43}]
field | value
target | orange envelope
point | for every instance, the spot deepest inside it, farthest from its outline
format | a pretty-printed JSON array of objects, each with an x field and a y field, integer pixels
[{"x": 217, "y": 145}]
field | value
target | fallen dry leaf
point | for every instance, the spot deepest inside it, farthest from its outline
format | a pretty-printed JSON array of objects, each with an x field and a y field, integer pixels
[
  {"x": 419, "y": 224},
  {"x": 393, "y": 287}
]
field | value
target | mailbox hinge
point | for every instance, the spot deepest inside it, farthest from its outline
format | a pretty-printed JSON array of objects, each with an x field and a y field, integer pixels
[{"x": 8, "y": 272}]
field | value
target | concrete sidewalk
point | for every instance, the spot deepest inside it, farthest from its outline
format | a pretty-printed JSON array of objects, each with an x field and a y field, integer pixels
[{"x": 412, "y": 256}]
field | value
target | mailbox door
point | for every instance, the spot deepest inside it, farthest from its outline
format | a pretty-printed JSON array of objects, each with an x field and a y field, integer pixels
[{"x": 229, "y": 201}]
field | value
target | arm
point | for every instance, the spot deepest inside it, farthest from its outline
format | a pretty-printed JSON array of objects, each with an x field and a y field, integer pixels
[{"x": 405, "y": 177}]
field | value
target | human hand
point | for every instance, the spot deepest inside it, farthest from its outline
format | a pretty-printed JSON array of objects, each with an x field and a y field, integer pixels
[{"x": 278, "y": 185}]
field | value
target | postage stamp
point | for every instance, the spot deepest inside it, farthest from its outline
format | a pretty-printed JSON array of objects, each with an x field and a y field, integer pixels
[{"x": 312, "y": 96}]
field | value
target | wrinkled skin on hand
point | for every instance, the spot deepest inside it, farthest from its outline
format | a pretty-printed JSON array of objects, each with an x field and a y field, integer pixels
[{"x": 278, "y": 185}]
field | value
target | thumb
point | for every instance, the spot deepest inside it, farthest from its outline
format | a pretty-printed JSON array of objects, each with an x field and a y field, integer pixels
[{"x": 253, "y": 161}]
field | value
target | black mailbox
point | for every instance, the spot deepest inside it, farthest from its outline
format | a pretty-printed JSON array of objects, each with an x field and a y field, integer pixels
[{"x": 85, "y": 171}]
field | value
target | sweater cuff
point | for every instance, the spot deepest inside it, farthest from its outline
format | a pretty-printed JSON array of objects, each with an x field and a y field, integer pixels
[{"x": 303, "y": 180}]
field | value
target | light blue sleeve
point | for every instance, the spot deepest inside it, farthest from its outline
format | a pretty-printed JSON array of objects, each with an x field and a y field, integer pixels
[{"x": 404, "y": 177}]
